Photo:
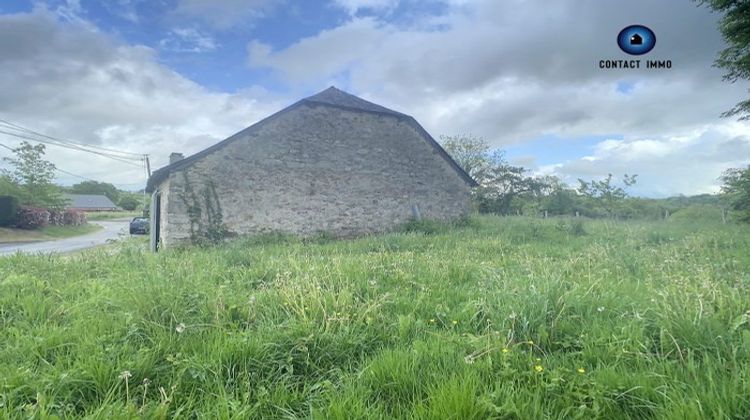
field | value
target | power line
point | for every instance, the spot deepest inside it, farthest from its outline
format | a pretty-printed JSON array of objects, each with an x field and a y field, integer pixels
[
  {"x": 29, "y": 134},
  {"x": 68, "y": 146},
  {"x": 56, "y": 168},
  {"x": 15, "y": 130},
  {"x": 75, "y": 175},
  {"x": 129, "y": 161},
  {"x": 57, "y": 139}
]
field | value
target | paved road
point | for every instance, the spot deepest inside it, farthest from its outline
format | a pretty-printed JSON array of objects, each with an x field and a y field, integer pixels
[{"x": 113, "y": 229}]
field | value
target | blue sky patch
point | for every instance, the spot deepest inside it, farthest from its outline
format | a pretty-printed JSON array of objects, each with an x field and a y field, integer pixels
[
  {"x": 548, "y": 150},
  {"x": 625, "y": 87}
]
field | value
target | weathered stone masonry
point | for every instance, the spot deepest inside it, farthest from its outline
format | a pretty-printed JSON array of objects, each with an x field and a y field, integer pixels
[{"x": 316, "y": 168}]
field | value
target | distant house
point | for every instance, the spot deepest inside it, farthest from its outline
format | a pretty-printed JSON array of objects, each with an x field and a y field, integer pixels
[
  {"x": 90, "y": 202},
  {"x": 332, "y": 163}
]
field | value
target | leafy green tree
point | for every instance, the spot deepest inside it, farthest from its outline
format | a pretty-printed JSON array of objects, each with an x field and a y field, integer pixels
[
  {"x": 735, "y": 58},
  {"x": 557, "y": 198},
  {"x": 33, "y": 176},
  {"x": 506, "y": 186},
  {"x": 605, "y": 193},
  {"x": 736, "y": 190},
  {"x": 11, "y": 188},
  {"x": 471, "y": 153},
  {"x": 97, "y": 188},
  {"x": 129, "y": 202},
  {"x": 503, "y": 188}
]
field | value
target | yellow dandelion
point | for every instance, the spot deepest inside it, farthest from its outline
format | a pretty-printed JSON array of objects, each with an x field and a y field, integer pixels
[
  {"x": 539, "y": 368},
  {"x": 581, "y": 370},
  {"x": 505, "y": 350}
]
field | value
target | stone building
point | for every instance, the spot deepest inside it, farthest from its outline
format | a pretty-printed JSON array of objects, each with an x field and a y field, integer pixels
[{"x": 331, "y": 163}]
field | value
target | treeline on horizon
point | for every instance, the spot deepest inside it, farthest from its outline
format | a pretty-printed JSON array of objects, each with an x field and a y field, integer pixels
[{"x": 506, "y": 189}]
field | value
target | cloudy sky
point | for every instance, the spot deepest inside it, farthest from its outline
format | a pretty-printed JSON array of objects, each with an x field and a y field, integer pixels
[{"x": 157, "y": 76}]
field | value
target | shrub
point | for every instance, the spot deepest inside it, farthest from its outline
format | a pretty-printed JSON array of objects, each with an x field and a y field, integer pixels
[
  {"x": 32, "y": 218},
  {"x": 695, "y": 213},
  {"x": 129, "y": 203},
  {"x": 8, "y": 209},
  {"x": 74, "y": 217},
  {"x": 56, "y": 217},
  {"x": 426, "y": 226}
]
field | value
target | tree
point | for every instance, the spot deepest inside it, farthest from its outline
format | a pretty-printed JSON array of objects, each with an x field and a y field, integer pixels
[
  {"x": 736, "y": 190},
  {"x": 33, "y": 176},
  {"x": 735, "y": 58},
  {"x": 501, "y": 184},
  {"x": 504, "y": 184},
  {"x": 129, "y": 202},
  {"x": 97, "y": 188},
  {"x": 605, "y": 193},
  {"x": 471, "y": 153},
  {"x": 557, "y": 198}
]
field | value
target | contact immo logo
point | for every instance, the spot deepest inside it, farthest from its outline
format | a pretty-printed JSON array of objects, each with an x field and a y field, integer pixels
[{"x": 635, "y": 40}]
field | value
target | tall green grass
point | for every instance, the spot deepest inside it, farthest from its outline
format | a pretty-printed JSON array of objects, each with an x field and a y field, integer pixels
[{"x": 494, "y": 318}]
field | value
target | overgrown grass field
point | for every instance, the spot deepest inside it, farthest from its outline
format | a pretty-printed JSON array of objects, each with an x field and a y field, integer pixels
[{"x": 507, "y": 318}]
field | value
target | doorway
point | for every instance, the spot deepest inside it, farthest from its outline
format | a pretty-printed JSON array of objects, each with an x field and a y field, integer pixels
[{"x": 155, "y": 221}]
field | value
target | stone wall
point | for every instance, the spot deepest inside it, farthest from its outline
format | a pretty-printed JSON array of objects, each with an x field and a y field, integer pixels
[
  {"x": 317, "y": 169},
  {"x": 164, "y": 215}
]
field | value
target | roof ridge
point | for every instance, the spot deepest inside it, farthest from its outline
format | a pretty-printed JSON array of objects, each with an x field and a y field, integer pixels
[{"x": 337, "y": 97}]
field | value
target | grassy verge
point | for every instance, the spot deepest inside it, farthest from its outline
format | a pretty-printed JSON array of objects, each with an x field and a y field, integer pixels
[
  {"x": 8, "y": 235},
  {"x": 60, "y": 232},
  {"x": 107, "y": 215},
  {"x": 500, "y": 318},
  {"x": 48, "y": 233}
]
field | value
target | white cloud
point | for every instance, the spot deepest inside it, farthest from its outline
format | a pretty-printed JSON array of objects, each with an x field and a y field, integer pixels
[
  {"x": 353, "y": 6},
  {"x": 188, "y": 40},
  {"x": 224, "y": 14},
  {"x": 125, "y": 9},
  {"x": 328, "y": 53},
  {"x": 67, "y": 81}
]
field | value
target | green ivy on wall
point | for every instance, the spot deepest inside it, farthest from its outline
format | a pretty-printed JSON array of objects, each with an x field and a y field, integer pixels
[{"x": 211, "y": 228}]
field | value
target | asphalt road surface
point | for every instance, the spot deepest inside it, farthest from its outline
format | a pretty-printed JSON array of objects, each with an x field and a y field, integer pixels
[{"x": 113, "y": 229}]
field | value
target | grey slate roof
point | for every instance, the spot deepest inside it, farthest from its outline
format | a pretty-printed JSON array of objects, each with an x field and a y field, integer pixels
[
  {"x": 89, "y": 201},
  {"x": 329, "y": 97},
  {"x": 339, "y": 98}
]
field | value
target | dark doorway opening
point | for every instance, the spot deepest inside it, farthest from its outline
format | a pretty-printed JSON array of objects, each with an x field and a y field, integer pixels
[{"x": 157, "y": 222}]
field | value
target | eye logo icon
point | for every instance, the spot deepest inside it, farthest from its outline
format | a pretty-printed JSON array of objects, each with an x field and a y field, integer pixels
[{"x": 636, "y": 40}]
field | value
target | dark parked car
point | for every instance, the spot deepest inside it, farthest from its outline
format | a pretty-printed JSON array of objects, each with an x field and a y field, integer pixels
[{"x": 139, "y": 225}]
